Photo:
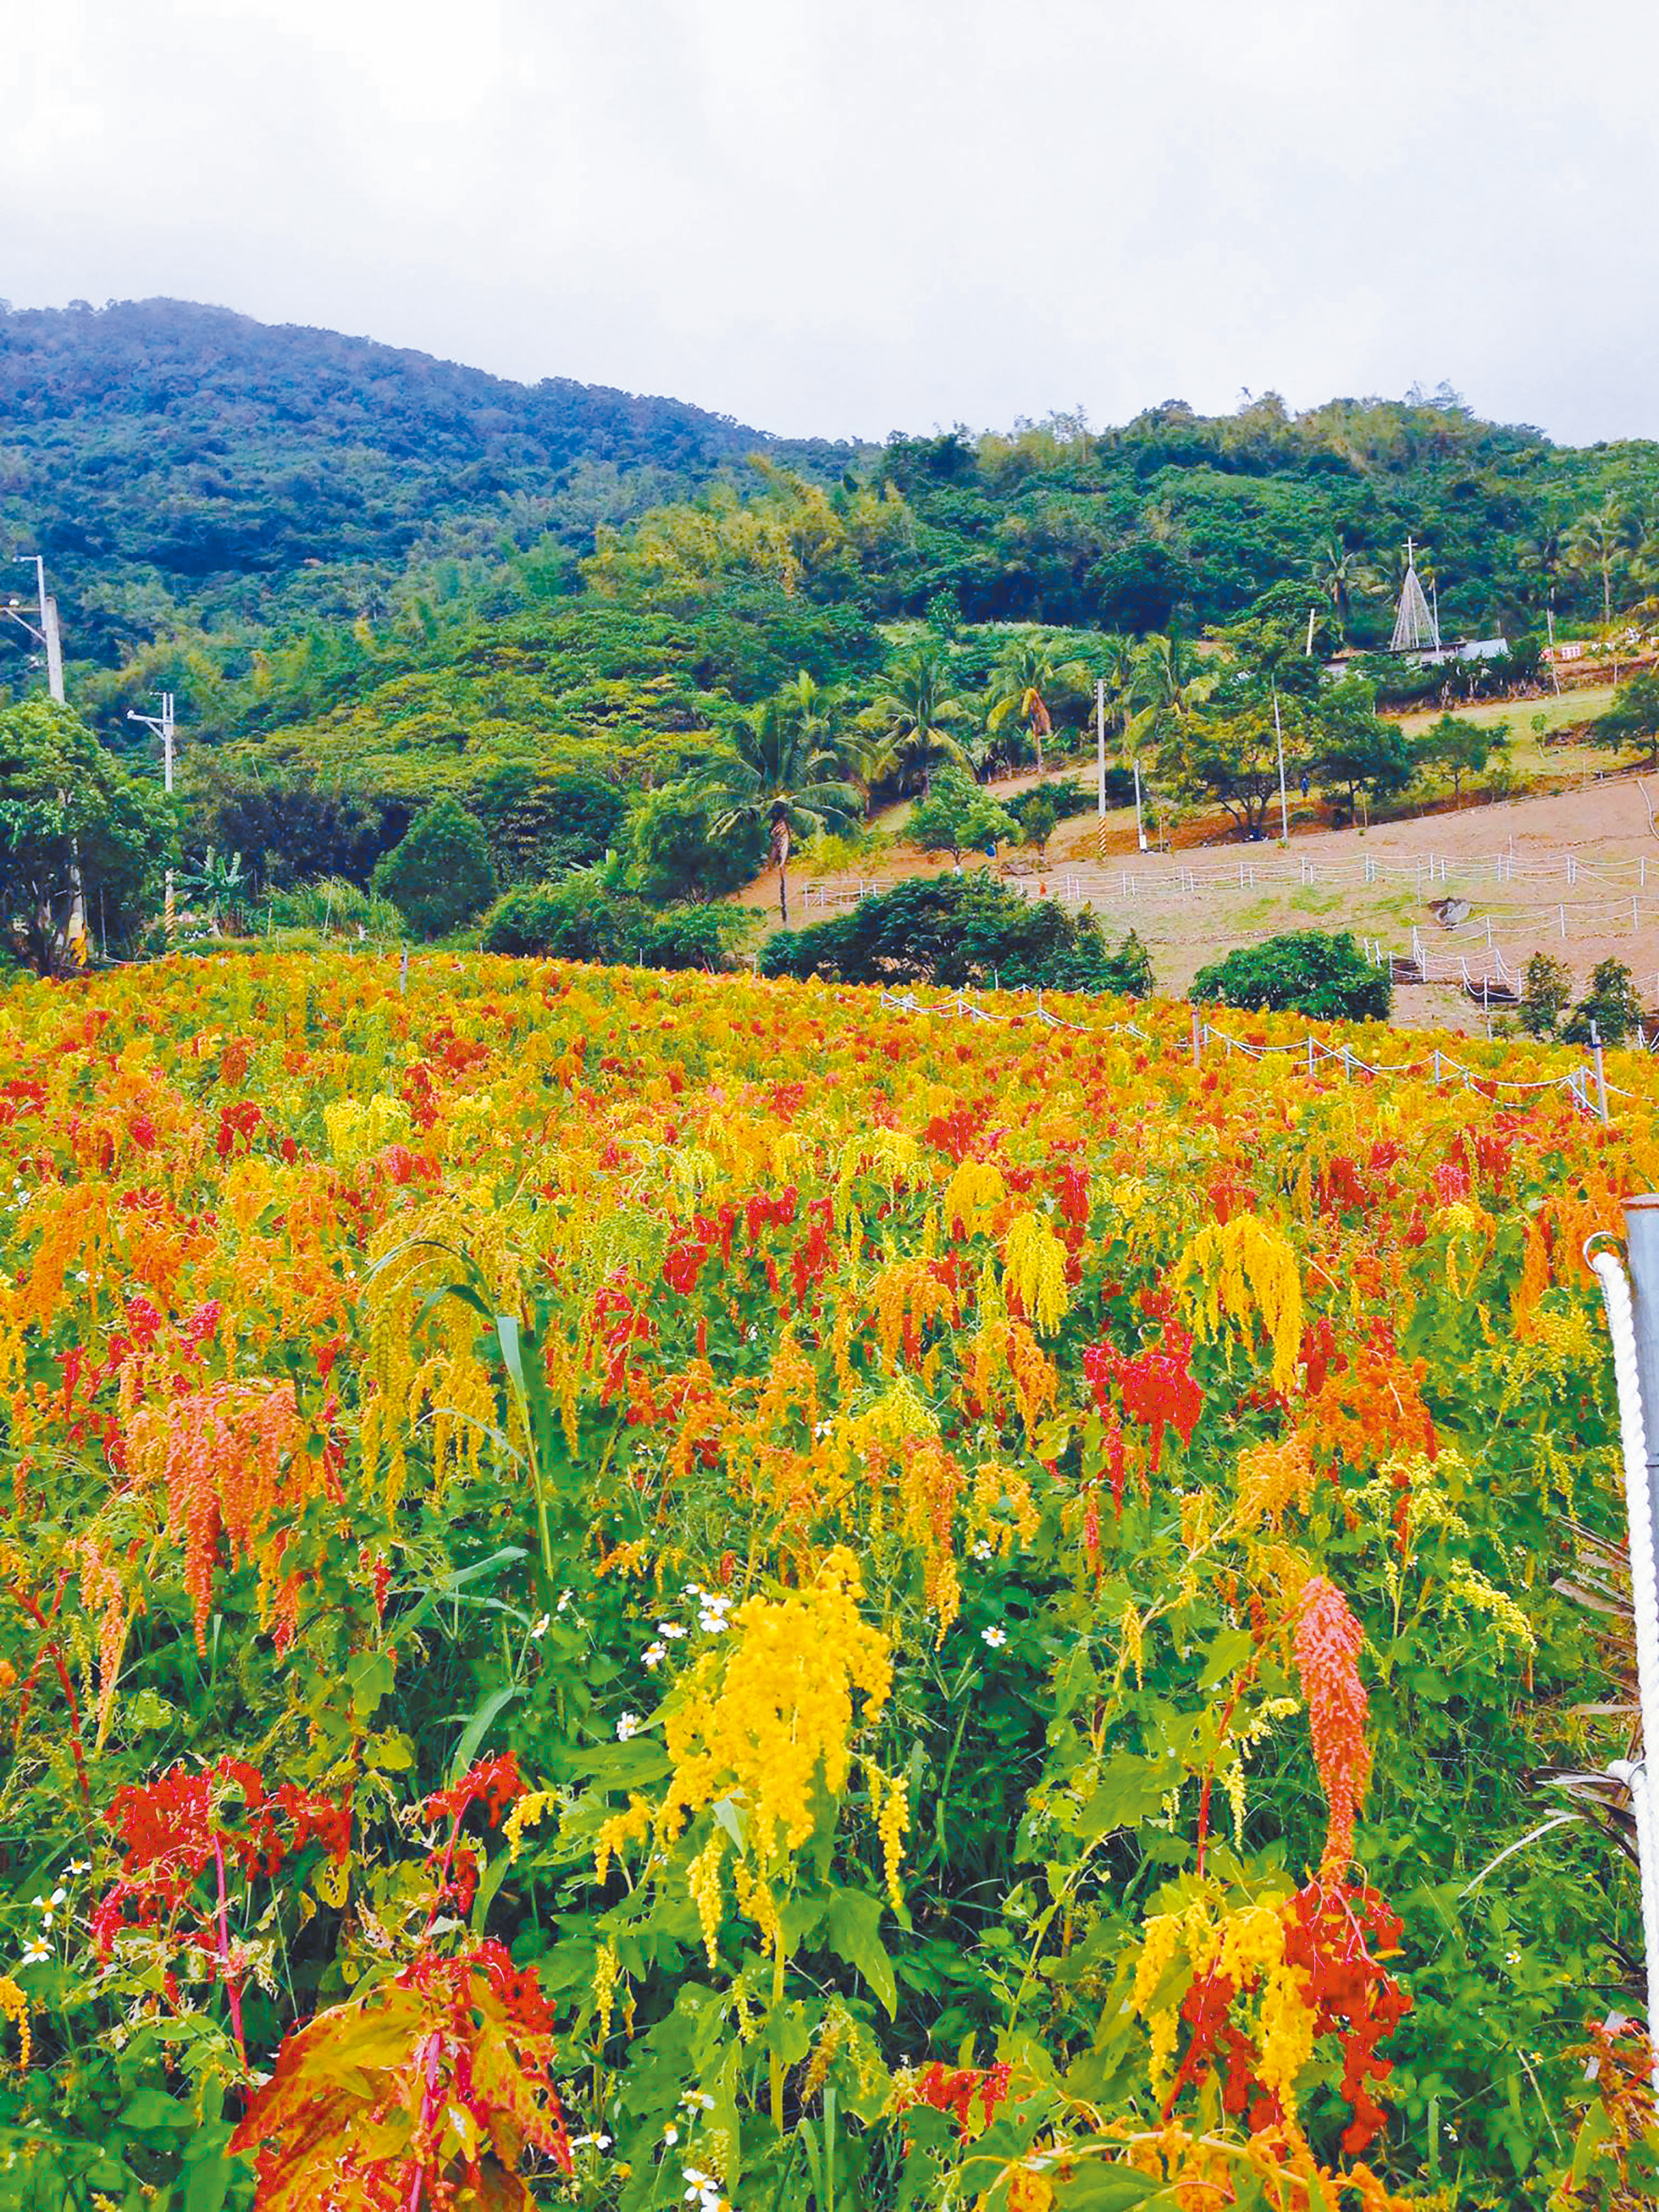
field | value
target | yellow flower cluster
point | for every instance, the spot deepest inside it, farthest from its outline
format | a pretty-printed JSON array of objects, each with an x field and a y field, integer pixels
[
  {"x": 1242, "y": 1268},
  {"x": 1245, "y": 1946},
  {"x": 1034, "y": 1267},
  {"x": 756, "y": 1737}
]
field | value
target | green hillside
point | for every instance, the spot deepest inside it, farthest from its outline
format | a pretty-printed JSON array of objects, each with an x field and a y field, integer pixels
[
  {"x": 372, "y": 579},
  {"x": 182, "y": 466}
]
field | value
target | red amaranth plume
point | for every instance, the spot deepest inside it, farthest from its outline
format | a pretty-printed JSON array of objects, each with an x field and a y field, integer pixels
[{"x": 1327, "y": 1641}]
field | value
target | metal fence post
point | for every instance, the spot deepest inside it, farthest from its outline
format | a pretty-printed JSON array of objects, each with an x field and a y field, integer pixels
[{"x": 1642, "y": 1244}]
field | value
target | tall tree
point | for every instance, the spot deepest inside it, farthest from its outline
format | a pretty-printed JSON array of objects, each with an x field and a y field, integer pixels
[
  {"x": 68, "y": 809},
  {"x": 1231, "y": 758},
  {"x": 776, "y": 767},
  {"x": 1024, "y": 681},
  {"x": 918, "y": 708},
  {"x": 1338, "y": 571},
  {"x": 1598, "y": 541}
]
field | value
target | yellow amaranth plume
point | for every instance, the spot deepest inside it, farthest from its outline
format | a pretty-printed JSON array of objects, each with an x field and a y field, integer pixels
[
  {"x": 1238, "y": 1269},
  {"x": 1034, "y": 1267}
]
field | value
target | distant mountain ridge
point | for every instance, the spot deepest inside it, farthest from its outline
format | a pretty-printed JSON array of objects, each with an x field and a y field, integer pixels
[{"x": 172, "y": 460}]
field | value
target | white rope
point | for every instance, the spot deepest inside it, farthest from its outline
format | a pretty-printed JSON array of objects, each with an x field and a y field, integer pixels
[
  {"x": 1644, "y": 1601},
  {"x": 1576, "y": 1085}
]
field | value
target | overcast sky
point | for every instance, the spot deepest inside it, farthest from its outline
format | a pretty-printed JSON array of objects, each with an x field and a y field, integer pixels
[{"x": 846, "y": 216}]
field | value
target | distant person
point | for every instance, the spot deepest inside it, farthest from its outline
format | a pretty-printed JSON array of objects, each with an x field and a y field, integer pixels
[{"x": 1304, "y": 783}]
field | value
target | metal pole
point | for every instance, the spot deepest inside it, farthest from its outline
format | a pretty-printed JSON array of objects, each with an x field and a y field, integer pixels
[
  {"x": 164, "y": 726},
  {"x": 1642, "y": 1246},
  {"x": 1284, "y": 804},
  {"x": 1140, "y": 827},
  {"x": 49, "y": 633},
  {"x": 1600, "y": 1071},
  {"x": 75, "y": 934},
  {"x": 1100, "y": 745}
]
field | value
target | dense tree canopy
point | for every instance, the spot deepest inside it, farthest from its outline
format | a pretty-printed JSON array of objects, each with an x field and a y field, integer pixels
[{"x": 80, "y": 841}]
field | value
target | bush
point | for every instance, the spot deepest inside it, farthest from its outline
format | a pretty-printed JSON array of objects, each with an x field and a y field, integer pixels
[
  {"x": 583, "y": 917},
  {"x": 441, "y": 875},
  {"x": 1323, "y": 975},
  {"x": 1612, "y": 1004},
  {"x": 334, "y": 903},
  {"x": 1545, "y": 994},
  {"x": 957, "y": 816},
  {"x": 540, "y": 821},
  {"x": 1067, "y": 798},
  {"x": 958, "y": 931},
  {"x": 675, "y": 851}
]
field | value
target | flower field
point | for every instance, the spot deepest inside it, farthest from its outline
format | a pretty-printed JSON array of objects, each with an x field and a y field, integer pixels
[{"x": 641, "y": 1591}]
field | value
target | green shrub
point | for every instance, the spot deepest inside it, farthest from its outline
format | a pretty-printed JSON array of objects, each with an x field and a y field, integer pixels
[
  {"x": 957, "y": 815},
  {"x": 1323, "y": 974},
  {"x": 583, "y": 917},
  {"x": 1546, "y": 993},
  {"x": 1067, "y": 798},
  {"x": 441, "y": 875},
  {"x": 1613, "y": 1004},
  {"x": 957, "y": 931},
  {"x": 334, "y": 903}
]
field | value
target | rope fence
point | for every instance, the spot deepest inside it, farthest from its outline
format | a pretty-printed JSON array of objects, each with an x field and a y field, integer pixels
[{"x": 1586, "y": 1085}]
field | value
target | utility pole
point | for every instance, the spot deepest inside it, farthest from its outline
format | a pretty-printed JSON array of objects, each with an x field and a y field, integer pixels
[
  {"x": 163, "y": 725},
  {"x": 1283, "y": 803},
  {"x": 1100, "y": 745},
  {"x": 50, "y": 639},
  {"x": 47, "y": 637}
]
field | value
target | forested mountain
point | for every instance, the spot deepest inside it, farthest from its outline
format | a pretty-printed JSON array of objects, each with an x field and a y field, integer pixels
[
  {"x": 182, "y": 466},
  {"x": 372, "y": 579}
]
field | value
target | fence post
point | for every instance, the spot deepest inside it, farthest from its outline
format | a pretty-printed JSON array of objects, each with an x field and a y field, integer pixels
[
  {"x": 1198, "y": 1038},
  {"x": 1600, "y": 1071},
  {"x": 1562, "y": 912},
  {"x": 1437, "y": 1063},
  {"x": 1310, "y": 1052}
]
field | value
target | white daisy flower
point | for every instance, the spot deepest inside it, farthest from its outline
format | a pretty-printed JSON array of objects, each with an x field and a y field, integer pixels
[
  {"x": 628, "y": 1724},
  {"x": 996, "y": 1638}
]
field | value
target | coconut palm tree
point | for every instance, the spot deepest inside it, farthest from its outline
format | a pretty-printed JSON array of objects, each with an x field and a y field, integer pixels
[
  {"x": 1338, "y": 571},
  {"x": 1026, "y": 678},
  {"x": 1544, "y": 555},
  {"x": 1598, "y": 540},
  {"x": 1171, "y": 675},
  {"x": 867, "y": 757},
  {"x": 775, "y": 765},
  {"x": 917, "y": 709}
]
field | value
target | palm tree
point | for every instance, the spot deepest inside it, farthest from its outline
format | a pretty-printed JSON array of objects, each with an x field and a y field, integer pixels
[
  {"x": 1338, "y": 571},
  {"x": 1024, "y": 680},
  {"x": 1596, "y": 540},
  {"x": 1115, "y": 664},
  {"x": 775, "y": 765},
  {"x": 1170, "y": 675},
  {"x": 867, "y": 758},
  {"x": 917, "y": 708},
  {"x": 1545, "y": 555}
]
